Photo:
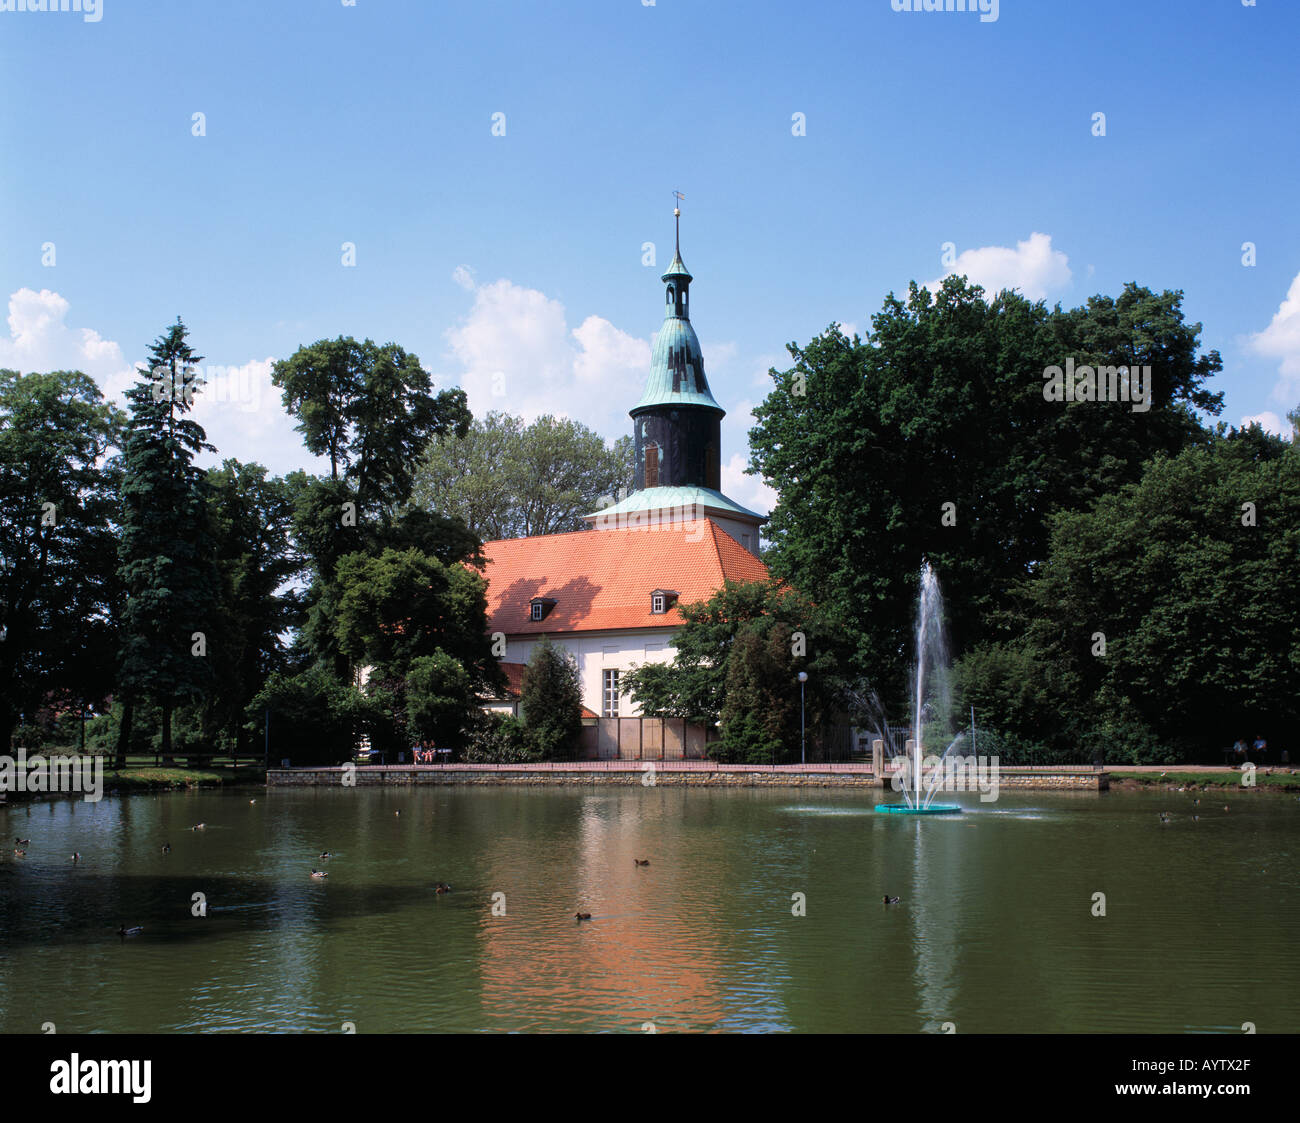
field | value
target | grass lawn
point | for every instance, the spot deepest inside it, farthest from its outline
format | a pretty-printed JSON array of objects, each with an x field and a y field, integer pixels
[{"x": 1191, "y": 778}]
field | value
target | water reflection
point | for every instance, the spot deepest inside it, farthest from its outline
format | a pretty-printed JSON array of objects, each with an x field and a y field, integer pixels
[{"x": 993, "y": 933}]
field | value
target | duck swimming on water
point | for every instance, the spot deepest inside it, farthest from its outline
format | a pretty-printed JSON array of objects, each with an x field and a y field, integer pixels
[
  {"x": 890, "y": 900},
  {"x": 583, "y": 915},
  {"x": 124, "y": 931},
  {"x": 319, "y": 875},
  {"x": 639, "y": 861}
]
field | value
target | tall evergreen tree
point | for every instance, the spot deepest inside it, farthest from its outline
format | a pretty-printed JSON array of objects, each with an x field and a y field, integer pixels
[{"x": 166, "y": 550}]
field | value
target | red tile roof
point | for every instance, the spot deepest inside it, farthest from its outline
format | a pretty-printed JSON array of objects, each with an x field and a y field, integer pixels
[{"x": 602, "y": 579}]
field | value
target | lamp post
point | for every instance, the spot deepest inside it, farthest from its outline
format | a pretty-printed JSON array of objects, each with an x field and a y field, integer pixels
[{"x": 803, "y": 751}]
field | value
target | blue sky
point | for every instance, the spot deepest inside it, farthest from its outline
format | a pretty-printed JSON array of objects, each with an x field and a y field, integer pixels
[{"x": 515, "y": 261}]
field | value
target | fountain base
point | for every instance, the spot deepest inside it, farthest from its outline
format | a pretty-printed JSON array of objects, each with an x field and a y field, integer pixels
[{"x": 908, "y": 809}]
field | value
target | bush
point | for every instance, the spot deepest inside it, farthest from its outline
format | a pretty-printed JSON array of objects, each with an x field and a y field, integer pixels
[{"x": 497, "y": 739}]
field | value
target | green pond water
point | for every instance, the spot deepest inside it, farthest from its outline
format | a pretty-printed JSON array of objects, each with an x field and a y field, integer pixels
[{"x": 994, "y": 931}]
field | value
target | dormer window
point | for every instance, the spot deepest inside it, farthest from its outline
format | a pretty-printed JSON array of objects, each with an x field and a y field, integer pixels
[
  {"x": 540, "y": 607},
  {"x": 537, "y": 610},
  {"x": 661, "y": 600}
]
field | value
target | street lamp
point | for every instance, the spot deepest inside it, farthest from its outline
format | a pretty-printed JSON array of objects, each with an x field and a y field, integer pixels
[{"x": 803, "y": 752}]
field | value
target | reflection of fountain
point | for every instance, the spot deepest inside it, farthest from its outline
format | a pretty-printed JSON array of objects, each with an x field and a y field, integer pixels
[{"x": 931, "y": 698}]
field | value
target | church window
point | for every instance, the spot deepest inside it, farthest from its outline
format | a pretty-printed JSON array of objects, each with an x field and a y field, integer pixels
[
  {"x": 611, "y": 693},
  {"x": 652, "y": 465}
]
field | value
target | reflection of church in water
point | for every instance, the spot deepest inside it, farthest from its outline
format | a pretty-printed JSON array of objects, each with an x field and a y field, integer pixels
[{"x": 611, "y": 597}]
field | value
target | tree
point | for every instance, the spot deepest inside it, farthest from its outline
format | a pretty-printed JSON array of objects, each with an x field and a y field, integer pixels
[
  {"x": 251, "y": 516},
  {"x": 760, "y": 712},
  {"x": 439, "y": 698},
  {"x": 934, "y": 439},
  {"x": 507, "y": 480},
  {"x": 314, "y": 718},
  {"x": 1166, "y": 619},
  {"x": 166, "y": 551},
  {"x": 370, "y": 409},
  {"x": 736, "y": 664},
  {"x": 57, "y": 580},
  {"x": 551, "y": 700}
]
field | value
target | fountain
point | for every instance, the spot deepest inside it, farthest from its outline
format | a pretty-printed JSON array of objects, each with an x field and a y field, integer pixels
[{"x": 931, "y": 675}]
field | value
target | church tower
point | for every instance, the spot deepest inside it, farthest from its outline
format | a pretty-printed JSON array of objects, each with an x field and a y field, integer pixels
[{"x": 677, "y": 428}]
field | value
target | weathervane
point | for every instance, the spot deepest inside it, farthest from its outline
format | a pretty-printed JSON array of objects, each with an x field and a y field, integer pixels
[{"x": 677, "y": 217}]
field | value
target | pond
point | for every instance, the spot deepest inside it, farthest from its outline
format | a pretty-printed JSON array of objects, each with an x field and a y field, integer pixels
[{"x": 994, "y": 931}]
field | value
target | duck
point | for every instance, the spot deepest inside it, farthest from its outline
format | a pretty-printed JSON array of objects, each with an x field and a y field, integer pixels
[
  {"x": 319, "y": 875},
  {"x": 167, "y": 847},
  {"x": 583, "y": 915},
  {"x": 641, "y": 861},
  {"x": 890, "y": 900},
  {"x": 75, "y": 856},
  {"x": 1225, "y": 807},
  {"x": 326, "y": 854},
  {"x": 441, "y": 887},
  {"x": 19, "y": 852},
  {"x": 252, "y": 801},
  {"x": 22, "y": 841},
  {"x": 124, "y": 931},
  {"x": 198, "y": 826},
  {"x": 1196, "y": 818}
]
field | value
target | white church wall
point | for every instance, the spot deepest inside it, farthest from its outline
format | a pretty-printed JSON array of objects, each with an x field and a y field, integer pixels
[{"x": 596, "y": 652}]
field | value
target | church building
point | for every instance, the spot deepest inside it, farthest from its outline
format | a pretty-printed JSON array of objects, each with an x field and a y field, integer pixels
[{"x": 610, "y": 595}]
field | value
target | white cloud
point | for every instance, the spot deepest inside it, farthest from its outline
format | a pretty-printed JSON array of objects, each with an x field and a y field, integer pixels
[
  {"x": 463, "y": 275},
  {"x": 41, "y": 340},
  {"x": 1033, "y": 267},
  {"x": 1281, "y": 341},
  {"x": 1270, "y": 422},
  {"x": 238, "y": 406},
  {"x": 748, "y": 491},
  {"x": 518, "y": 355}
]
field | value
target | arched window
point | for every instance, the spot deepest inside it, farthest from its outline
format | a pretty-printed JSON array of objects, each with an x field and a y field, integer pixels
[
  {"x": 652, "y": 465},
  {"x": 670, "y": 294}
]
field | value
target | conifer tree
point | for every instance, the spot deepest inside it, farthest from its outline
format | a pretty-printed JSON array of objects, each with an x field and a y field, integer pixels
[{"x": 166, "y": 554}]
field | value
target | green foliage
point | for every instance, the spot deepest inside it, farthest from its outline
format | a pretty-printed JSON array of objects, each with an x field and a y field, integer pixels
[
  {"x": 867, "y": 440},
  {"x": 1200, "y": 613},
  {"x": 370, "y": 410},
  {"x": 551, "y": 701},
  {"x": 695, "y": 685},
  {"x": 438, "y": 698},
  {"x": 760, "y": 716},
  {"x": 391, "y": 609},
  {"x": 166, "y": 550},
  {"x": 507, "y": 480},
  {"x": 58, "y": 586},
  {"x": 498, "y": 739},
  {"x": 315, "y": 719},
  {"x": 250, "y": 515}
]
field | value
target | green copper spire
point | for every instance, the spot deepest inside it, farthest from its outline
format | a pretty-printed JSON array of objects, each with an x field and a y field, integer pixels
[{"x": 677, "y": 364}]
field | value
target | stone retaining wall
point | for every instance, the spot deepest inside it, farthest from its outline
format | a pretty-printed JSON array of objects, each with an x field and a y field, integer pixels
[{"x": 1082, "y": 780}]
